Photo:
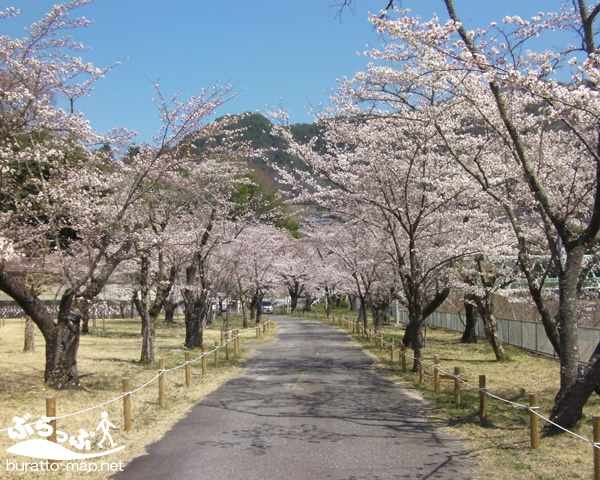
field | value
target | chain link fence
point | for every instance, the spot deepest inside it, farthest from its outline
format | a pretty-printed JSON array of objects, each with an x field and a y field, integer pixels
[
  {"x": 519, "y": 333},
  {"x": 104, "y": 309}
]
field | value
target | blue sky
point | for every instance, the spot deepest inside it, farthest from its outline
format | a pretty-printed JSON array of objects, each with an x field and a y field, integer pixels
[{"x": 286, "y": 53}]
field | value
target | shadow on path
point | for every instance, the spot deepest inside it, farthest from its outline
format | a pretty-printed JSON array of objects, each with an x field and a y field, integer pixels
[{"x": 308, "y": 406}]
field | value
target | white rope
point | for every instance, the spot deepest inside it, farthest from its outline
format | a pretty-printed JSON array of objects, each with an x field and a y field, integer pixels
[
  {"x": 509, "y": 402},
  {"x": 141, "y": 387}
]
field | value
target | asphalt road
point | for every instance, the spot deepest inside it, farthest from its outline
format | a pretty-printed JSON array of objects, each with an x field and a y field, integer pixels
[{"x": 308, "y": 406}]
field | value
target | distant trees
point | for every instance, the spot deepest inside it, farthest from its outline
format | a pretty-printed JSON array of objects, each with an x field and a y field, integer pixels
[{"x": 389, "y": 174}]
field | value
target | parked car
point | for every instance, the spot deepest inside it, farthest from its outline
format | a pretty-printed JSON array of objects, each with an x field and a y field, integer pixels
[{"x": 266, "y": 306}]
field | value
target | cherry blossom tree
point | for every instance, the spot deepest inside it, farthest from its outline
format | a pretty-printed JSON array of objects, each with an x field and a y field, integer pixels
[
  {"x": 257, "y": 258},
  {"x": 360, "y": 254},
  {"x": 68, "y": 208},
  {"x": 296, "y": 265},
  {"x": 329, "y": 274},
  {"x": 44, "y": 146},
  {"x": 481, "y": 279},
  {"x": 390, "y": 174},
  {"x": 207, "y": 226},
  {"x": 158, "y": 257},
  {"x": 528, "y": 140}
]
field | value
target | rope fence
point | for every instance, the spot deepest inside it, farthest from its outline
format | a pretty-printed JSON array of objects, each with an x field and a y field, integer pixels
[
  {"x": 439, "y": 375},
  {"x": 228, "y": 337}
]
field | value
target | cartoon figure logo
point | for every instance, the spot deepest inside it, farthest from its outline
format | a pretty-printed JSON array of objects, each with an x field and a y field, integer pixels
[
  {"x": 42, "y": 449},
  {"x": 105, "y": 425}
]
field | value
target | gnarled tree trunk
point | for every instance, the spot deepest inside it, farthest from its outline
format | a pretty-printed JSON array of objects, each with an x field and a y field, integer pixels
[{"x": 61, "y": 351}]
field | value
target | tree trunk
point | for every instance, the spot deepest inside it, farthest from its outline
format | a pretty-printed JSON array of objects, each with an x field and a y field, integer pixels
[
  {"x": 245, "y": 319},
  {"x": 470, "y": 333},
  {"x": 85, "y": 320},
  {"x": 485, "y": 308},
  {"x": 295, "y": 290},
  {"x": 61, "y": 351},
  {"x": 195, "y": 295},
  {"x": 141, "y": 301},
  {"x": 414, "y": 335},
  {"x": 293, "y": 304},
  {"x": 170, "y": 306},
  {"x": 380, "y": 313},
  {"x": 362, "y": 313},
  {"x": 62, "y": 338},
  {"x": 259, "y": 298},
  {"x": 29, "y": 342},
  {"x": 351, "y": 303},
  {"x": 195, "y": 311},
  {"x": 147, "y": 356},
  {"x": 308, "y": 302},
  {"x": 418, "y": 312},
  {"x": 548, "y": 321},
  {"x": 569, "y": 320},
  {"x": 568, "y": 407},
  {"x": 331, "y": 301},
  {"x": 253, "y": 308}
]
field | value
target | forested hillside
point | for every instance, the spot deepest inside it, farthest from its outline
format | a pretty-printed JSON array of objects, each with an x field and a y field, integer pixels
[{"x": 257, "y": 131}]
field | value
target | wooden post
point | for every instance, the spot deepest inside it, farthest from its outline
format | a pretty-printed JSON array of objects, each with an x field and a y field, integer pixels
[
  {"x": 221, "y": 337},
  {"x": 421, "y": 366},
  {"x": 257, "y": 332},
  {"x": 51, "y": 413},
  {"x": 596, "y": 438},
  {"x": 457, "y": 386},
  {"x": 403, "y": 358},
  {"x": 392, "y": 352},
  {"x": 482, "y": 399},
  {"x": 204, "y": 367},
  {"x": 127, "y": 405},
  {"x": 436, "y": 374},
  {"x": 161, "y": 382},
  {"x": 534, "y": 423},
  {"x": 188, "y": 370},
  {"x": 227, "y": 348},
  {"x": 216, "y": 354}
]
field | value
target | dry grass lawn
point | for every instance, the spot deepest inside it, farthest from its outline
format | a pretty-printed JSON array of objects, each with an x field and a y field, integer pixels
[
  {"x": 106, "y": 356},
  {"x": 501, "y": 445}
]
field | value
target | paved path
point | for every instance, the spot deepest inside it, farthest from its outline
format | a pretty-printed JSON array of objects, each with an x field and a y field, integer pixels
[{"x": 309, "y": 406}]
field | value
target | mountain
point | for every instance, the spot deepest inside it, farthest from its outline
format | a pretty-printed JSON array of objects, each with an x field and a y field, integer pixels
[{"x": 257, "y": 131}]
